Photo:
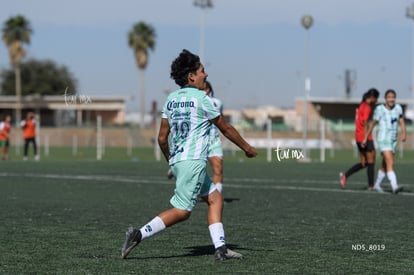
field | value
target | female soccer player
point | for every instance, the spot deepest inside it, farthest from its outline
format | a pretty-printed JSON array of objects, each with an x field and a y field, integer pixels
[
  {"x": 366, "y": 153},
  {"x": 388, "y": 115},
  {"x": 183, "y": 138}
]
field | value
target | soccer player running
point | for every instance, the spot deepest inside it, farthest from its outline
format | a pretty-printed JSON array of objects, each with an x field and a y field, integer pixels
[
  {"x": 366, "y": 153},
  {"x": 183, "y": 138},
  {"x": 388, "y": 115}
]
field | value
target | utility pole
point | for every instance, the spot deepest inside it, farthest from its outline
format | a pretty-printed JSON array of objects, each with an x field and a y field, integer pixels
[
  {"x": 203, "y": 4},
  {"x": 307, "y": 22}
]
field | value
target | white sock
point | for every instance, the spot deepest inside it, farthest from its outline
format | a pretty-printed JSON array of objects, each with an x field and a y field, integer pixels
[
  {"x": 393, "y": 180},
  {"x": 156, "y": 225},
  {"x": 217, "y": 234},
  {"x": 380, "y": 178},
  {"x": 219, "y": 187}
]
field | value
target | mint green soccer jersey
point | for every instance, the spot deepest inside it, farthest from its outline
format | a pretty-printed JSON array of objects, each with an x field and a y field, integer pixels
[
  {"x": 189, "y": 112},
  {"x": 388, "y": 121}
]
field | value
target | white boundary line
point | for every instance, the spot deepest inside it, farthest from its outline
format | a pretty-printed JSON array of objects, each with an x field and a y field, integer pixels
[{"x": 162, "y": 180}]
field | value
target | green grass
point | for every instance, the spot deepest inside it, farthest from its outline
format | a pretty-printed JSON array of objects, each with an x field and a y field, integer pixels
[{"x": 68, "y": 215}]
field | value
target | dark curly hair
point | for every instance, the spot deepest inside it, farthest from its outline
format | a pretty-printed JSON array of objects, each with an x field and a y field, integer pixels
[
  {"x": 184, "y": 64},
  {"x": 371, "y": 92}
]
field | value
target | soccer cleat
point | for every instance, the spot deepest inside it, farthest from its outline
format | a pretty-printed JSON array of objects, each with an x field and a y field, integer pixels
[
  {"x": 223, "y": 253},
  {"x": 170, "y": 174},
  {"x": 133, "y": 238},
  {"x": 398, "y": 190},
  {"x": 342, "y": 179},
  {"x": 378, "y": 190}
]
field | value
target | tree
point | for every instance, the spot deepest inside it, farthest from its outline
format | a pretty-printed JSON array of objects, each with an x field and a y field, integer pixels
[
  {"x": 142, "y": 39},
  {"x": 16, "y": 32},
  {"x": 39, "y": 77}
]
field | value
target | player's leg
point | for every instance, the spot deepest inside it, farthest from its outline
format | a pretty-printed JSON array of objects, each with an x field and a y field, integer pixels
[
  {"x": 380, "y": 176},
  {"x": 3, "y": 146},
  {"x": 215, "y": 209},
  {"x": 215, "y": 157},
  {"x": 389, "y": 160},
  {"x": 190, "y": 176},
  {"x": 26, "y": 148},
  {"x": 216, "y": 164},
  {"x": 370, "y": 163},
  {"x": 36, "y": 156},
  {"x": 343, "y": 177},
  {"x": 6, "y": 150}
]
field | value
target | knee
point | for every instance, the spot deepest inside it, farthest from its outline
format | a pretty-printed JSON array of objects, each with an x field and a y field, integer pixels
[
  {"x": 215, "y": 199},
  {"x": 178, "y": 216}
]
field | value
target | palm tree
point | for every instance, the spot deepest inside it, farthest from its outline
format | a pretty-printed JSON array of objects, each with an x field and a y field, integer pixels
[
  {"x": 16, "y": 32},
  {"x": 141, "y": 39}
]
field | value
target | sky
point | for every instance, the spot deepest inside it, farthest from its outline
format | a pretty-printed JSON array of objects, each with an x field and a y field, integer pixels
[{"x": 255, "y": 51}]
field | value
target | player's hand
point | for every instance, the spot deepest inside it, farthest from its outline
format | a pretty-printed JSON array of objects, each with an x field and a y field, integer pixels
[
  {"x": 364, "y": 143},
  {"x": 251, "y": 152},
  {"x": 403, "y": 138}
]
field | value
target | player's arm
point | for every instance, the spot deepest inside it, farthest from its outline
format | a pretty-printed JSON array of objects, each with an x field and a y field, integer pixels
[
  {"x": 365, "y": 114},
  {"x": 163, "y": 138},
  {"x": 403, "y": 130},
  {"x": 371, "y": 126},
  {"x": 231, "y": 133},
  {"x": 365, "y": 124},
  {"x": 2, "y": 132}
]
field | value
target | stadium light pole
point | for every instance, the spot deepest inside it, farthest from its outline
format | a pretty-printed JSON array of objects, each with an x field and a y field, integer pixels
[
  {"x": 307, "y": 22},
  {"x": 410, "y": 15},
  {"x": 203, "y": 4}
]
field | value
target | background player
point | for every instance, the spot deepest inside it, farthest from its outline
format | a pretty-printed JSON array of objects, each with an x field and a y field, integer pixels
[
  {"x": 366, "y": 153},
  {"x": 29, "y": 134},
  {"x": 388, "y": 115},
  {"x": 5, "y": 129}
]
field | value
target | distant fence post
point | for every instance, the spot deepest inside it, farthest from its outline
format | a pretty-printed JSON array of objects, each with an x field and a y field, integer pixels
[
  {"x": 129, "y": 145},
  {"x": 46, "y": 145},
  {"x": 269, "y": 138},
  {"x": 74, "y": 145},
  {"x": 98, "y": 137},
  {"x": 322, "y": 143},
  {"x": 17, "y": 143},
  {"x": 157, "y": 150}
]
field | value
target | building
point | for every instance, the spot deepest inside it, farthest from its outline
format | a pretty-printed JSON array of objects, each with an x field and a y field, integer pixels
[{"x": 69, "y": 110}]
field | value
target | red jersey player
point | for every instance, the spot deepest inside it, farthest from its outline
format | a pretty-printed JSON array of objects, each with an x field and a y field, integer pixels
[{"x": 367, "y": 152}]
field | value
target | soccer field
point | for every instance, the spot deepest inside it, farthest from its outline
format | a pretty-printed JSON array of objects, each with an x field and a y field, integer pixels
[{"x": 70, "y": 217}]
